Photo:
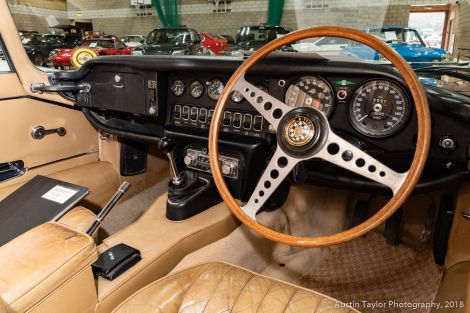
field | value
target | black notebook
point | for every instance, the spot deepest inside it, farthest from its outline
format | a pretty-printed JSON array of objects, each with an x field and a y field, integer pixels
[{"x": 40, "y": 200}]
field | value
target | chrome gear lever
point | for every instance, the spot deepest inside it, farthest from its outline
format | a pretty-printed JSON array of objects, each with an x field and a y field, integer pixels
[{"x": 167, "y": 145}]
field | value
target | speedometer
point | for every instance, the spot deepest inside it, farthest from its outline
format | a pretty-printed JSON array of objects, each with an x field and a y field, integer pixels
[
  {"x": 311, "y": 91},
  {"x": 379, "y": 108}
]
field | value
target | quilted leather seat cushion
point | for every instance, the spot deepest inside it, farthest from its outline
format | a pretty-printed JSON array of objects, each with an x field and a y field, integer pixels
[{"x": 220, "y": 287}]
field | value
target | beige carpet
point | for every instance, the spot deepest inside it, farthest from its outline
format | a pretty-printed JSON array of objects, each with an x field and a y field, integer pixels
[
  {"x": 128, "y": 211},
  {"x": 309, "y": 211},
  {"x": 368, "y": 269}
]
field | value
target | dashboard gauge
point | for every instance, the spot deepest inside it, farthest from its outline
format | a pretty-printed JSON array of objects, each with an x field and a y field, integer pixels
[
  {"x": 196, "y": 89},
  {"x": 237, "y": 96},
  {"x": 311, "y": 91},
  {"x": 178, "y": 87},
  {"x": 379, "y": 108},
  {"x": 215, "y": 88}
]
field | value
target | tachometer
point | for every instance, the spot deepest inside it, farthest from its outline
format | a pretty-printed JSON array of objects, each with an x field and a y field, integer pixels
[
  {"x": 311, "y": 91},
  {"x": 379, "y": 108}
]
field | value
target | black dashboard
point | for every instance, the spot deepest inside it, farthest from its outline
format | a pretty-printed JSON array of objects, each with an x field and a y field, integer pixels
[{"x": 145, "y": 98}]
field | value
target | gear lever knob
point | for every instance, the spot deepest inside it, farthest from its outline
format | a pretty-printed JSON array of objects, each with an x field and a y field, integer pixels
[{"x": 167, "y": 145}]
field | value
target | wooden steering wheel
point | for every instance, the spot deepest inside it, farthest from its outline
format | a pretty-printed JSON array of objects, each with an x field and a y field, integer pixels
[{"x": 304, "y": 133}]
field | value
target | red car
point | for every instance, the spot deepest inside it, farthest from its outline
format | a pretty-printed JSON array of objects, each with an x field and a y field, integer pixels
[
  {"x": 216, "y": 43},
  {"x": 101, "y": 44}
]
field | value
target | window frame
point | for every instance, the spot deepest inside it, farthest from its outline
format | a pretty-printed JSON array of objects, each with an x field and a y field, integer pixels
[{"x": 6, "y": 54}]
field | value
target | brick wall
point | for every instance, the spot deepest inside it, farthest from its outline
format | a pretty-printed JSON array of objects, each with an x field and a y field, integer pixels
[
  {"x": 119, "y": 18},
  {"x": 462, "y": 26}
]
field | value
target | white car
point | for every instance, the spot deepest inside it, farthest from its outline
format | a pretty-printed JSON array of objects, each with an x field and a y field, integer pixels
[
  {"x": 133, "y": 41},
  {"x": 325, "y": 45}
]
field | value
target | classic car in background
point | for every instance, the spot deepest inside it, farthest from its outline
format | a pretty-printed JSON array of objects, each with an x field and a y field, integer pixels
[
  {"x": 405, "y": 41},
  {"x": 40, "y": 46},
  {"x": 251, "y": 38},
  {"x": 133, "y": 41},
  {"x": 325, "y": 45},
  {"x": 173, "y": 41},
  {"x": 101, "y": 44},
  {"x": 25, "y": 35},
  {"x": 216, "y": 43},
  {"x": 230, "y": 39},
  {"x": 72, "y": 34}
]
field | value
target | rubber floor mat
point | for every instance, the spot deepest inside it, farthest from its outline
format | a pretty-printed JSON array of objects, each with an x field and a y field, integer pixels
[{"x": 373, "y": 276}]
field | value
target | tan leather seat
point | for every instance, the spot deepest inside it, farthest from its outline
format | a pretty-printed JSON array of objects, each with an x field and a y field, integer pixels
[
  {"x": 220, "y": 287},
  {"x": 79, "y": 218}
]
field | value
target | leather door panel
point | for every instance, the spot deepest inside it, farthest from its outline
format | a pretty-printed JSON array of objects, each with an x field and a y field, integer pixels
[{"x": 19, "y": 116}]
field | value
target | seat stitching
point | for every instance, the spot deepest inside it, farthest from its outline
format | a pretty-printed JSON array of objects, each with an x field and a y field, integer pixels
[
  {"x": 267, "y": 291},
  {"x": 190, "y": 285},
  {"x": 221, "y": 278},
  {"x": 241, "y": 290}
]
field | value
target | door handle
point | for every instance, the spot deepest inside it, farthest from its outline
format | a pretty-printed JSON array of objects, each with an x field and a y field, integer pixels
[
  {"x": 39, "y": 132},
  {"x": 40, "y": 88},
  {"x": 11, "y": 170}
]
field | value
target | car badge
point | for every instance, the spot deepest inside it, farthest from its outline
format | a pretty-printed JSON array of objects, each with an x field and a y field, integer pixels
[{"x": 299, "y": 131}]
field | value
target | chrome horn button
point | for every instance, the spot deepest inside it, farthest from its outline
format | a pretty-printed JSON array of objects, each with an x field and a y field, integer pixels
[{"x": 299, "y": 131}]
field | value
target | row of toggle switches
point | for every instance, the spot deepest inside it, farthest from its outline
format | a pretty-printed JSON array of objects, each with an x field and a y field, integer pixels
[{"x": 203, "y": 116}]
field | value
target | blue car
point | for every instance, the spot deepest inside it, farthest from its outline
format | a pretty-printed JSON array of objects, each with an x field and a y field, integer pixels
[{"x": 406, "y": 41}]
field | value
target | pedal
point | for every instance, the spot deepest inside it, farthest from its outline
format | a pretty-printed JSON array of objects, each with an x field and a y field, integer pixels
[
  {"x": 392, "y": 228},
  {"x": 360, "y": 213},
  {"x": 445, "y": 218}
]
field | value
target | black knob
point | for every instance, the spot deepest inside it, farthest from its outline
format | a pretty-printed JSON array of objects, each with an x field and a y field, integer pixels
[{"x": 167, "y": 145}]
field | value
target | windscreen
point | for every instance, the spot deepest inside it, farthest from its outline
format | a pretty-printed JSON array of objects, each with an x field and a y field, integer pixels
[{"x": 433, "y": 32}]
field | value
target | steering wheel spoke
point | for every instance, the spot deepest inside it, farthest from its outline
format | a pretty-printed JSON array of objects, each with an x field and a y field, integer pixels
[
  {"x": 277, "y": 170},
  {"x": 342, "y": 153},
  {"x": 303, "y": 133},
  {"x": 269, "y": 107}
]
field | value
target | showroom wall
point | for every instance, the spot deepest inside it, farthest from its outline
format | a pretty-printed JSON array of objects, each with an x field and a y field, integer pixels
[
  {"x": 119, "y": 18},
  {"x": 199, "y": 14},
  {"x": 462, "y": 31}
]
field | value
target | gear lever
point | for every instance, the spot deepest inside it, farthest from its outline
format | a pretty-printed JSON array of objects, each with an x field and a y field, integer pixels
[{"x": 167, "y": 145}]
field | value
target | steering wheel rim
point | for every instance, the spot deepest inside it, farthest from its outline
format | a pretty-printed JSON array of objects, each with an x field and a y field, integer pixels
[{"x": 406, "y": 185}]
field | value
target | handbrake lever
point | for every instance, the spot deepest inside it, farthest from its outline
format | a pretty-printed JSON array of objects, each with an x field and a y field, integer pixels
[{"x": 108, "y": 207}]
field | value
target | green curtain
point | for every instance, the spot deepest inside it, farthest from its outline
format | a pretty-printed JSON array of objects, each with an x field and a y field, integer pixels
[
  {"x": 275, "y": 8},
  {"x": 167, "y": 11}
]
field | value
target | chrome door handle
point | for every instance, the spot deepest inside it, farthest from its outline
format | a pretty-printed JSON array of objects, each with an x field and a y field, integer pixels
[
  {"x": 11, "y": 170},
  {"x": 39, "y": 132}
]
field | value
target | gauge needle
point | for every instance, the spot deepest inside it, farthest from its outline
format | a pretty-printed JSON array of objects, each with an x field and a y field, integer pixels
[{"x": 362, "y": 118}]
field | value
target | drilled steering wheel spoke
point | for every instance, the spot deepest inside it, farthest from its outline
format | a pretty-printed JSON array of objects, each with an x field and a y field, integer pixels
[
  {"x": 340, "y": 152},
  {"x": 278, "y": 168},
  {"x": 269, "y": 107}
]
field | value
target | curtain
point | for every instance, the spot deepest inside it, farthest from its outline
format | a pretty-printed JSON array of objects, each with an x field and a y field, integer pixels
[
  {"x": 275, "y": 8},
  {"x": 167, "y": 11}
]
